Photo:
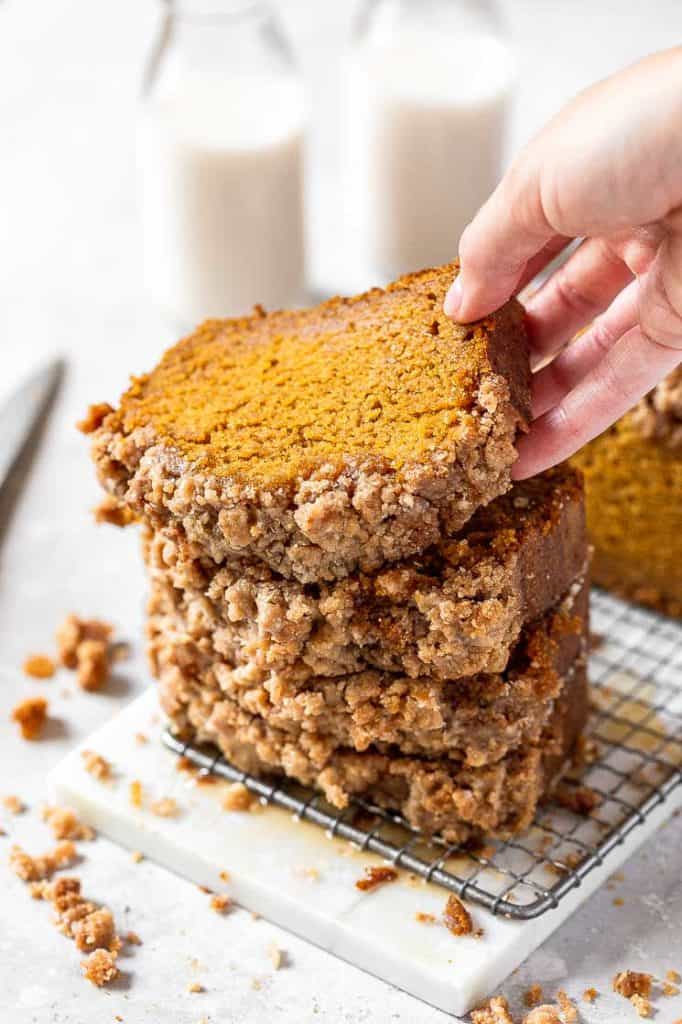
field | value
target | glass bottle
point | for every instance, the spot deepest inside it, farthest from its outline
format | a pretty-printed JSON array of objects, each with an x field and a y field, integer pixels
[
  {"x": 220, "y": 149},
  {"x": 428, "y": 85}
]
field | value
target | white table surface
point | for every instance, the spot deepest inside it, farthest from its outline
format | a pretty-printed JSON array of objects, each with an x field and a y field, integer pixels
[{"x": 70, "y": 282}]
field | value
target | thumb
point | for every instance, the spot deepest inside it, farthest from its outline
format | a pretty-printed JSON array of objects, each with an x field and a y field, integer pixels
[{"x": 509, "y": 230}]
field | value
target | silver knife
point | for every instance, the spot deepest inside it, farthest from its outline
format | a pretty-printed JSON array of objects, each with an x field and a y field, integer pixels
[{"x": 21, "y": 413}]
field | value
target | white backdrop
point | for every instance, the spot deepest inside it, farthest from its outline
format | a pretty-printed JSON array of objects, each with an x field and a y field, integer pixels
[{"x": 70, "y": 282}]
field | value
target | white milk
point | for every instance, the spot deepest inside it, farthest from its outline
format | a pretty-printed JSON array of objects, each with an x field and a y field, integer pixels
[
  {"x": 426, "y": 124},
  {"x": 221, "y": 162}
]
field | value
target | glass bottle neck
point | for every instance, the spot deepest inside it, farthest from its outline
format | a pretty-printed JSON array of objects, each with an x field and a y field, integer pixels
[
  {"x": 380, "y": 18},
  {"x": 216, "y": 38}
]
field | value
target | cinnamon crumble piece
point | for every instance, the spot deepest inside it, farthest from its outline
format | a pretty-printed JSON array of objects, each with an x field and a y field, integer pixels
[
  {"x": 304, "y": 872},
  {"x": 590, "y": 994},
  {"x": 673, "y": 976},
  {"x": 237, "y": 798},
  {"x": 534, "y": 995},
  {"x": 669, "y": 989},
  {"x": 543, "y": 1015},
  {"x": 194, "y": 987},
  {"x": 94, "y": 417},
  {"x": 141, "y": 738},
  {"x": 374, "y": 877},
  {"x": 641, "y": 1005},
  {"x": 13, "y": 804},
  {"x": 39, "y": 666},
  {"x": 94, "y": 931},
  {"x": 456, "y": 917},
  {"x": 135, "y": 791},
  {"x": 36, "y": 869},
  {"x": 424, "y": 918},
  {"x": 30, "y": 714},
  {"x": 277, "y": 956},
  {"x": 579, "y": 799},
  {"x": 220, "y": 903},
  {"x": 92, "y": 658},
  {"x": 133, "y": 939},
  {"x": 114, "y": 512},
  {"x": 96, "y": 765},
  {"x": 74, "y": 631},
  {"x": 166, "y": 807},
  {"x": 496, "y": 1011},
  {"x": 136, "y": 856},
  {"x": 567, "y": 1007},
  {"x": 65, "y": 824},
  {"x": 631, "y": 983},
  {"x": 224, "y": 876},
  {"x": 100, "y": 967}
]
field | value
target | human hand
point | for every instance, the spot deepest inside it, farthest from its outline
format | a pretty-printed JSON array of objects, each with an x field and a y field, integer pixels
[{"x": 608, "y": 168}]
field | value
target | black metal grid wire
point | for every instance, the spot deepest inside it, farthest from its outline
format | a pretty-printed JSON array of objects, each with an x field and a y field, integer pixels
[{"x": 636, "y": 728}]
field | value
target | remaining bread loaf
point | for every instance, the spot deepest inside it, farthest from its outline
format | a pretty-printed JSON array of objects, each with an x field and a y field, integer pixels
[{"x": 633, "y": 475}]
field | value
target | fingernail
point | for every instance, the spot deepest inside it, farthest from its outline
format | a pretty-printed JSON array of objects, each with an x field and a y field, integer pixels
[{"x": 453, "y": 299}]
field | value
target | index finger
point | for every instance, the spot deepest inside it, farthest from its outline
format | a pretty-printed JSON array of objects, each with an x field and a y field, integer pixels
[{"x": 509, "y": 230}]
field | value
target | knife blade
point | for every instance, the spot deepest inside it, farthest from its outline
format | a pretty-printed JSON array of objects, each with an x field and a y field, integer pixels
[{"x": 21, "y": 413}]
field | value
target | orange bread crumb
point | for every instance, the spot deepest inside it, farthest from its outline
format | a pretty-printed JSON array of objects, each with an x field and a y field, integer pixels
[
  {"x": 100, "y": 967},
  {"x": 375, "y": 877},
  {"x": 92, "y": 659},
  {"x": 65, "y": 824},
  {"x": 39, "y": 666},
  {"x": 533, "y": 996},
  {"x": 166, "y": 807},
  {"x": 31, "y": 714},
  {"x": 496, "y": 1011},
  {"x": 96, "y": 765},
  {"x": 237, "y": 798},
  {"x": 456, "y": 917},
  {"x": 73, "y": 632}
]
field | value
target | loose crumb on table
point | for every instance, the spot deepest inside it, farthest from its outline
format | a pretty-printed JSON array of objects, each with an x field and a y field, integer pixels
[
  {"x": 13, "y": 804},
  {"x": 136, "y": 793},
  {"x": 31, "y": 714},
  {"x": 220, "y": 902},
  {"x": 237, "y": 798},
  {"x": 376, "y": 876},
  {"x": 166, "y": 807},
  {"x": 39, "y": 666},
  {"x": 533, "y": 996},
  {"x": 65, "y": 823},
  {"x": 456, "y": 917},
  {"x": 631, "y": 983},
  {"x": 93, "y": 665},
  {"x": 96, "y": 765},
  {"x": 567, "y": 1007},
  {"x": 74, "y": 631},
  {"x": 37, "y": 869},
  {"x": 277, "y": 956},
  {"x": 546, "y": 1014},
  {"x": 100, "y": 967},
  {"x": 496, "y": 1011}
]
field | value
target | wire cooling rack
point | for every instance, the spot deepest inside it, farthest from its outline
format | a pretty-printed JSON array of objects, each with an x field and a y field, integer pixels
[{"x": 635, "y": 731}]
